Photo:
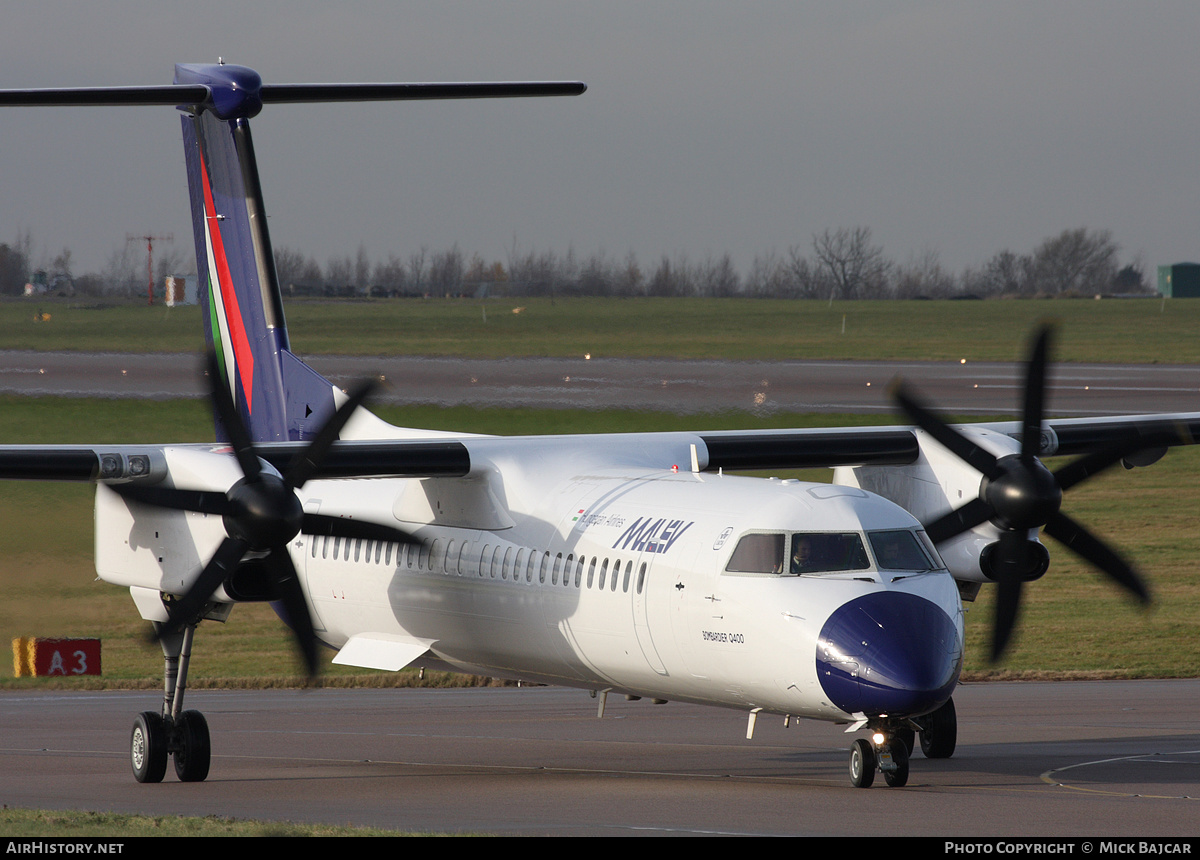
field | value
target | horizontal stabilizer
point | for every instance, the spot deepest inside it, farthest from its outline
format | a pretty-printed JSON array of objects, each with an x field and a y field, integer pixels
[
  {"x": 302, "y": 93},
  {"x": 165, "y": 94},
  {"x": 231, "y": 91}
]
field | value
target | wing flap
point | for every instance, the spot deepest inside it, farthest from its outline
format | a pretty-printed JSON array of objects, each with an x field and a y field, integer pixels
[
  {"x": 799, "y": 449},
  {"x": 389, "y": 652}
]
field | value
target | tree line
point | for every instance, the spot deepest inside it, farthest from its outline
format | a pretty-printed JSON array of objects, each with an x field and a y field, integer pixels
[{"x": 843, "y": 264}]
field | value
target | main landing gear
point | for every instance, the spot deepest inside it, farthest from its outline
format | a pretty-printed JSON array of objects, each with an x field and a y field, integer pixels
[
  {"x": 891, "y": 745},
  {"x": 174, "y": 732}
]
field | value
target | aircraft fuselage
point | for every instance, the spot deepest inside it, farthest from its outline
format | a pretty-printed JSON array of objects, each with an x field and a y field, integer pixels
[{"x": 618, "y": 579}]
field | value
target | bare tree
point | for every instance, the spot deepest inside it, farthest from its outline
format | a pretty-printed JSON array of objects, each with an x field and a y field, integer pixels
[
  {"x": 923, "y": 277},
  {"x": 857, "y": 268},
  {"x": 416, "y": 269},
  {"x": 167, "y": 262},
  {"x": 392, "y": 276},
  {"x": 446, "y": 272},
  {"x": 339, "y": 272},
  {"x": 14, "y": 265},
  {"x": 768, "y": 277},
  {"x": 672, "y": 278},
  {"x": 597, "y": 275},
  {"x": 292, "y": 267},
  {"x": 124, "y": 274},
  {"x": 362, "y": 269},
  {"x": 717, "y": 278},
  {"x": 630, "y": 280},
  {"x": 1006, "y": 274},
  {"x": 1075, "y": 261}
]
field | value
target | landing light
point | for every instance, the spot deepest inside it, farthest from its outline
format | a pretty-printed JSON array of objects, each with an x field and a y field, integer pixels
[{"x": 878, "y": 738}]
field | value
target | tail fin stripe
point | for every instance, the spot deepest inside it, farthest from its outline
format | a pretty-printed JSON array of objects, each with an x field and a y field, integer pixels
[{"x": 229, "y": 304}]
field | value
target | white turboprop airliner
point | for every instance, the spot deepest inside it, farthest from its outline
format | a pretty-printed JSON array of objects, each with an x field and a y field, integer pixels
[{"x": 631, "y": 563}]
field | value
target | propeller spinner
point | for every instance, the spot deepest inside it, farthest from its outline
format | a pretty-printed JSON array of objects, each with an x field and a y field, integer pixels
[
  {"x": 1019, "y": 494},
  {"x": 262, "y": 514}
]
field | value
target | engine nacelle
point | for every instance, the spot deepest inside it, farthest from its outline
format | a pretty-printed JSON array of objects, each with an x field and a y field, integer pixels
[
  {"x": 156, "y": 548},
  {"x": 938, "y": 482}
]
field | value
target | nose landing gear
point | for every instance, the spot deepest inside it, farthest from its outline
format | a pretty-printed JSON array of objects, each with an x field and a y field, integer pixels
[
  {"x": 891, "y": 746},
  {"x": 885, "y": 752}
]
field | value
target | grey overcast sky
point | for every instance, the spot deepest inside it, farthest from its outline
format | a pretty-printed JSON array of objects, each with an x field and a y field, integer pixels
[{"x": 960, "y": 127}]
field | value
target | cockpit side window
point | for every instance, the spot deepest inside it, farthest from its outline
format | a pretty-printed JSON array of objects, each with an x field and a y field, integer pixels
[
  {"x": 814, "y": 552},
  {"x": 757, "y": 553},
  {"x": 930, "y": 549},
  {"x": 899, "y": 550}
]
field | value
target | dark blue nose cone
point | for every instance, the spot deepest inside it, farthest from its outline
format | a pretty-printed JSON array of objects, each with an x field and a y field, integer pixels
[{"x": 889, "y": 653}]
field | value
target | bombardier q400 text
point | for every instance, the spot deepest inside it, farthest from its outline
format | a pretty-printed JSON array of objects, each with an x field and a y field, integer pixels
[{"x": 626, "y": 563}]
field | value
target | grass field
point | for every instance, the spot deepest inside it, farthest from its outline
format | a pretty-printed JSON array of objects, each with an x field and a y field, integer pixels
[{"x": 1131, "y": 330}]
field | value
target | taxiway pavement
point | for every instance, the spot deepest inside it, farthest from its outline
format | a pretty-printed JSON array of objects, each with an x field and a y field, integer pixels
[
  {"x": 677, "y": 386},
  {"x": 1091, "y": 759}
]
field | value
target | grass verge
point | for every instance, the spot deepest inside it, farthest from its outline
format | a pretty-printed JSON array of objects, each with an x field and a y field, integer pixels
[{"x": 1133, "y": 330}]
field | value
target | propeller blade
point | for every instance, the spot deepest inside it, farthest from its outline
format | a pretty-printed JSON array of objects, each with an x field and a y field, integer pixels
[
  {"x": 307, "y": 464},
  {"x": 1035, "y": 397},
  {"x": 200, "y": 501},
  {"x": 220, "y": 566},
  {"x": 1020, "y": 495},
  {"x": 1090, "y": 465},
  {"x": 955, "y": 442},
  {"x": 958, "y": 521},
  {"x": 261, "y": 513},
  {"x": 1008, "y": 605},
  {"x": 1094, "y": 551},
  {"x": 288, "y": 591},
  {"x": 320, "y": 524},
  {"x": 1034, "y": 407},
  {"x": 1009, "y": 568},
  {"x": 239, "y": 436}
]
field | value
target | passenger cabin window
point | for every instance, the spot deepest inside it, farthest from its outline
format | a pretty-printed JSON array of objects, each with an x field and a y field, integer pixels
[
  {"x": 756, "y": 554},
  {"x": 828, "y": 553}
]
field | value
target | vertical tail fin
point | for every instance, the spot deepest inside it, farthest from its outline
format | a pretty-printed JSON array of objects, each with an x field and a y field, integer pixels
[{"x": 235, "y": 266}]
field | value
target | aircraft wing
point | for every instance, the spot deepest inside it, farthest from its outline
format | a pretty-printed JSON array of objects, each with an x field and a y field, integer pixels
[
  {"x": 132, "y": 462},
  {"x": 750, "y": 450},
  {"x": 894, "y": 446}
]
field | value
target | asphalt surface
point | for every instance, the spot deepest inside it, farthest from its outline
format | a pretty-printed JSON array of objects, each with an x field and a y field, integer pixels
[
  {"x": 1077, "y": 759},
  {"x": 990, "y": 388}
]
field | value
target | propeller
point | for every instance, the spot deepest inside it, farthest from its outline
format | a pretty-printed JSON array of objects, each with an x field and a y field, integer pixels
[
  {"x": 1019, "y": 494},
  {"x": 261, "y": 514}
]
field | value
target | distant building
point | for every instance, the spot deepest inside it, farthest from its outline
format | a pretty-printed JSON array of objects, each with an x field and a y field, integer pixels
[
  {"x": 42, "y": 283},
  {"x": 1180, "y": 281},
  {"x": 175, "y": 292}
]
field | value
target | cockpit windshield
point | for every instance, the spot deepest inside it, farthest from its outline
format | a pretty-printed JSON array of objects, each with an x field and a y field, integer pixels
[
  {"x": 828, "y": 553},
  {"x": 817, "y": 553},
  {"x": 901, "y": 550}
]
